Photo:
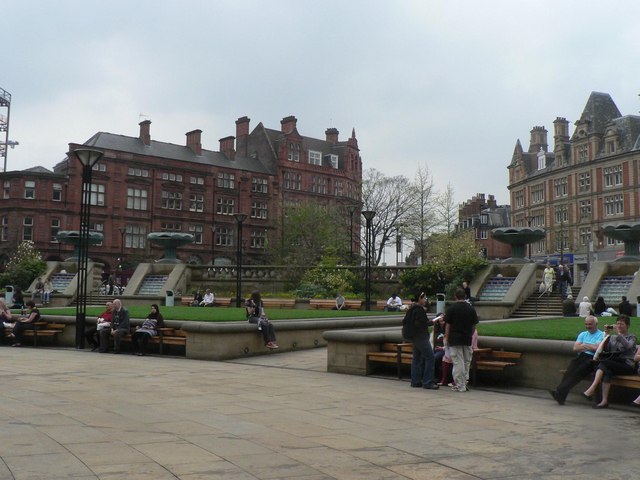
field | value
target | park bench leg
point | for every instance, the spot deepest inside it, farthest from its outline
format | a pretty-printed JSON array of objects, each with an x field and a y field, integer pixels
[{"x": 399, "y": 360}]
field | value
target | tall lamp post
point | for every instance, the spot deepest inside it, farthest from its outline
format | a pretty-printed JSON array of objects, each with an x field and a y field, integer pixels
[
  {"x": 88, "y": 158},
  {"x": 213, "y": 243},
  {"x": 368, "y": 216},
  {"x": 122, "y": 231},
  {"x": 351, "y": 209},
  {"x": 240, "y": 217}
]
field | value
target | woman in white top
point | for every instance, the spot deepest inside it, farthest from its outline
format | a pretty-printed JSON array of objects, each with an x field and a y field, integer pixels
[{"x": 584, "y": 308}]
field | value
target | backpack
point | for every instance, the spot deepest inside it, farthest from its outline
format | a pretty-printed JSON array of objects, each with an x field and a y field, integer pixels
[{"x": 408, "y": 325}]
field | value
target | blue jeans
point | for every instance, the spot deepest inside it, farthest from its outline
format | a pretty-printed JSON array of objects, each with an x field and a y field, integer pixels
[{"x": 422, "y": 365}]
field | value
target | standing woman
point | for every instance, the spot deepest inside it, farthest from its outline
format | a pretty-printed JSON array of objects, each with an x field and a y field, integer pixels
[
  {"x": 148, "y": 329},
  {"x": 549, "y": 276},
  {"x": 622, "y": 348},
  {"x": 257, "y": 315}
]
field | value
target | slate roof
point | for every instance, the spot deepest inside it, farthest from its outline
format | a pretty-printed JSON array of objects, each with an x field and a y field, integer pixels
[
  {"x": 599, "y": 110},
  {"x": 134, "y": 145},
  {"x": 628, "y": 129}
]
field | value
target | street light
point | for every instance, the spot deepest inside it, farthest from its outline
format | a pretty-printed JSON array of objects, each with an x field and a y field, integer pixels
[
  {"x": 122, "y": 230},
  {"x": 240, "y": 217},
  {"x": 368, "y": 216},
  {"x": 88, "y": 158},
  {"x": 351, "y": 209}
]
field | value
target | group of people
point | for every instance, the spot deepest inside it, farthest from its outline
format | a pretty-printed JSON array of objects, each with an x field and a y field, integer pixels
[
  {"x": 206, "y": 300},
  {"x": 560, "y": 280},
  {"x": 42, "y": 290},
  {"x": 599, "y": 308},
  {"x": 18, "y": 323},
  {"x": 458, "y": 328},
  {"x": 604, "y": 354}
]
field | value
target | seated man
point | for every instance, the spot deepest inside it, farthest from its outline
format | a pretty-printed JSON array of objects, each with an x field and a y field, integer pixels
[
  {"x": 582, "y": 365},
  {"x": 340, "y": 303},
  {"x": 208, "y": 299},
  {"x": 569, "y": 307},
  {"x": 625, "y": 307},
  {"x": 119, "y": 328},
  {"x": 393, "y": 303}
]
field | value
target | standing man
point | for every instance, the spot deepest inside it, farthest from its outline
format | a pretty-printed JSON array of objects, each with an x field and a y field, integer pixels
[
  {"x": 564, "y": 278},
  {"x": 582, "y": 365},
  {"x": 461, "y": 320},
  {"x": 415, "y": 327},
  {"x": 119, "y": 328}
]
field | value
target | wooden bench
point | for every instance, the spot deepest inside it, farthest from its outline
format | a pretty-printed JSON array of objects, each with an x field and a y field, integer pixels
[
  {"x": 41, "y": 330},
  {"x": 278, "y": 303},
  {"x": 381, "y": 304},
  {"x": 217, "y": 302},
  {"x": 328, "y": 304},
  {"x": 166, "y": 336},
  {"x": 400, "y": 354}
]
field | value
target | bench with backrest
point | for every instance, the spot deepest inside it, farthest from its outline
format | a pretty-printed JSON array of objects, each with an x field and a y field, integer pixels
[
  {"x": 166, "y": 336},
  {"x": 328, "y": 304},
  {"x": 278, "y": 303},
  {"x": 217, "y": 302},
  {"x": 400, "y": 354},
  {"x": 42, "y": 329}
]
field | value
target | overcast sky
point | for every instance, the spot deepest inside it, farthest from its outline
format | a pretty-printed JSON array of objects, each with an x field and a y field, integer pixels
[{"x": 448, "y": 84}]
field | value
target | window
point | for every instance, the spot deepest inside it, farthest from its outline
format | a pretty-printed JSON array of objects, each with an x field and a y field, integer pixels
[
  {"x": 196, "y": 231},
  {"x": 96, "y": 227},
  {"x": 172, "y": 177},
  {"x": 585, "y": 209},
  {"x": 226, "y": 180},
  {"x": 331, "y": 160},
  {"x": 338, "y": 188},
  {"x": 56, "y": 196},
  {"x": 292, "y": 181},
  {"x": 259, "y": 210},
  {"x": 259, "y": 185},
  {"x": 196, "y": 202},
  {"x": 55, "y": 228},
  {"x": 319, "y": 184},
  {"x": 7, "y": 189},
  {"x": 562, "y": 214},
  {"x": 258, "y": 239},
  {"x": 583, "y": 153},
  {"x": 613, "y": 176},
  {"x": 27, "y": 228},
  {"x": 4, "y": 229},
  {"x": 584, "y": 182},
  {"x": 562, "y": 242},
  {"x": 539, "y": 246},
  {"x": 224, "y": 236},
  {"x": 537, "y": 220},
  {"x": 171, "y": 200},
  {"x": 138, "y": 172},
  {"x": 537, "y": 194},
  {"x": 611, "y": 146},
  {"x": 611, "y": 242},
  {"x": 483, "y": 234},
  {"x": 196, "y": 180},
  {"x": 171, "y": 227},
  {"x": 585, "y": 235},
  {"x": 296, "y": 155},
  {"x": 225, "y": 206},
  {"x": 135, "y": 236},
  {"x": 29, "y": 189},
  {"x": 519, "y": 198},
  {"x": 315, "y": 158},
  {"x": 97, "y": 194},
  {"x": 290, "y": 154},
  {"x": 136, "y": 199},
  {"x": 99, "y": 167},
  {"x": 560, "y": 187},
  {"x": 613, "y": 205}
]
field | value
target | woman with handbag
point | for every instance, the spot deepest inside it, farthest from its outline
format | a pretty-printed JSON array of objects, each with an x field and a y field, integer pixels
[{"x": 617, "y": 358}]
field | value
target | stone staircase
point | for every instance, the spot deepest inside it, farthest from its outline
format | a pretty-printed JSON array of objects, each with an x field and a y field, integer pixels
[{"x": 547, "y": 304}]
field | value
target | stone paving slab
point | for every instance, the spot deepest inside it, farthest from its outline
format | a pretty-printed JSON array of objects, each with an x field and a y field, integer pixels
[{"x": 67, "y": 414}]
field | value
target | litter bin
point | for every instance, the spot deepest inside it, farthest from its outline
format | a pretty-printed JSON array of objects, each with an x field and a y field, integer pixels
[
  {"x": 168, "y": 301},
  {"x": 440, "y": 302},
  {"x": 8, "y": 295}
]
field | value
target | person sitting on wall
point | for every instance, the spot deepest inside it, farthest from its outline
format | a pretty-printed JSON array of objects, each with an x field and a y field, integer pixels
[
  {"x": 625, "y": 307},
  {"x": 394, "y": 303},
  {"x": 569, "y": 307},
  {"x": 208, "y": 299}
]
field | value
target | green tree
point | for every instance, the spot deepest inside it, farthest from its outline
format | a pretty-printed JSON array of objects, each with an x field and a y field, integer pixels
[{"x": 24, "y": 266}]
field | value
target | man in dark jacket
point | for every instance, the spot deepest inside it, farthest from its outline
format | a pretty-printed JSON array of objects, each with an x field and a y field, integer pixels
[
  {"x": 461, "y": 320},
  {"x": 625, "y": 307},
  {"x": 422, "y": 364},
  {"x": 119, "y": 328}
]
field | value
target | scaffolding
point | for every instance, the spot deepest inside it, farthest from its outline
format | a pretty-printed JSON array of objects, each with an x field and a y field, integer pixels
[{"x": 5, "y": 103}]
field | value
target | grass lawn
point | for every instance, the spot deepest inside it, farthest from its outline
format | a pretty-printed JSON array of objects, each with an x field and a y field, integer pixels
[
  {"x": 223, "y": 314},
  {"x": 548, "y": 329}
]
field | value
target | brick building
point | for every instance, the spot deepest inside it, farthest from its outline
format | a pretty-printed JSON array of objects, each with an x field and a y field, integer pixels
[
  {"x": 482, "y": 214},
  {"x": 142, "y": 185},
  {"x": 588, "y": 181}
]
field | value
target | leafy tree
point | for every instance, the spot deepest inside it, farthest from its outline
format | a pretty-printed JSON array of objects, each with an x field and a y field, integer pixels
[{"x": 24, "y": 266}]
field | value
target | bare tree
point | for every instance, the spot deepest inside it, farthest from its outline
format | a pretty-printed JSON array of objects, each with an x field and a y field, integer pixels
[
  {"x": 421, "y": 219},
  {"x": 392, "y": 198},
  {"x": 447, "y": 210}
]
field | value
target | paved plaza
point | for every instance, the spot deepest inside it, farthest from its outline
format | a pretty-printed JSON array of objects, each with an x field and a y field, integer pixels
[{"x": 67, "y": 414}]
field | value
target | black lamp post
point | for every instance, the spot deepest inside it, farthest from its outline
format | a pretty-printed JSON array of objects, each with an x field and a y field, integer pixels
[
  {"x": 213, "y": 243},
  {"x": 240, "y": 217},
  {"x": 122, "y": 231},
  {"x": 368, "y": 216},
  {"x": 88, "y": 158},
  {"x": 528, "y": 220},
  {"x": 351, "y": 209}
]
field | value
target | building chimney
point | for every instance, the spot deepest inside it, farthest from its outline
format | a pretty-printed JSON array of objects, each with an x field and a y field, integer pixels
[
  {"x": 560, "y": 130},
  {"x": 288, "y": 124},
  {"x": 194, "y": 142},
  {"x": 538, "y": 140},
  {"x": 145, "y": 132},
  {"x": 242, "y": 135},
  {"x": 332, "y": 135},
  {"x": 226, "y": 147}
]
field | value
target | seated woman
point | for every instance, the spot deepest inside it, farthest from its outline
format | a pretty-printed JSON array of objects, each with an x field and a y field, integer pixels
[
  {"x": 257, "y": 315},
  {"x": 148, "y": 329},
  {"x": 621, "y": 349},
  {"x": 25, "y": 323},
  {"x": 584, "y": 309}
]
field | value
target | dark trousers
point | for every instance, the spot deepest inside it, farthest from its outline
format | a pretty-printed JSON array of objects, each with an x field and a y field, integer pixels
[
  {"x": 105, "y": 333},
  {"x": 422, "y": 364},
  {"x": 140, "y": 341},
  {"x": 579, "y": 368},
  {"x": 19, "y": 329},
  {"x": 91, "y": 335}
]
